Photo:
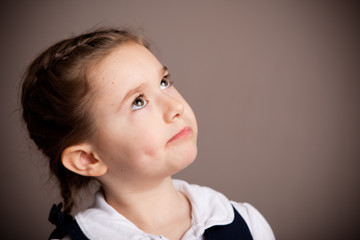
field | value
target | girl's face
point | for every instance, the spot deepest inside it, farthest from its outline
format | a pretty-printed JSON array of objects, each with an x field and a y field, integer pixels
[{"x": 144, "y": 127}]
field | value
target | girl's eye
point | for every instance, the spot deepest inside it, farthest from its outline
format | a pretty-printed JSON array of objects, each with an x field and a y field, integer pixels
[
  {"x": 138, "y": 103},
  {"x": 165, "y": 82}
]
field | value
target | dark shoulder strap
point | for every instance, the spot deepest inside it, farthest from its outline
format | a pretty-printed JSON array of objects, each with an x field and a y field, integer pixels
[
  {"x": 236, "y": 230},
  {"x": 65, "y": 225}
]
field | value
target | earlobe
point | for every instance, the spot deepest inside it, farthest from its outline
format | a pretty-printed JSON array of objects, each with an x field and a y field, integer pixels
[{"x": 81, "y": 159}]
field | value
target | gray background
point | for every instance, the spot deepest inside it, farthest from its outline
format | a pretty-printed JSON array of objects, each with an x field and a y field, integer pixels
[{"x": 274, "y": 85}]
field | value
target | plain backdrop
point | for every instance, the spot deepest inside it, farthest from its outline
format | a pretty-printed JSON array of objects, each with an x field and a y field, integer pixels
[{"x": 275, "y": 86}]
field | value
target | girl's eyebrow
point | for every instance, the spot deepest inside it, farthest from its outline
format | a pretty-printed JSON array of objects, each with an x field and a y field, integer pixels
[
  {"x": 164, "y": 70},
  {"x": 137, "y": 89}
]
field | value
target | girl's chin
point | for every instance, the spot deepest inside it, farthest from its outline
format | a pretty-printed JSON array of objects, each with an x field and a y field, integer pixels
[{"x": 186, "y": 160}]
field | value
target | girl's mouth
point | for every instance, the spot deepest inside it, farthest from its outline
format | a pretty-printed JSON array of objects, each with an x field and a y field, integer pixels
[{"x": 183, "y": 133}]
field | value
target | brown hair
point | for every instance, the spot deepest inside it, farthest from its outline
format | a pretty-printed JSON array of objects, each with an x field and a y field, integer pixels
[{"x": 56, "y": 97}]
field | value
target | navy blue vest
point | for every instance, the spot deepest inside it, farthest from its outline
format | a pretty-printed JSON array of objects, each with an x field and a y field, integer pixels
[{"x": 66, "y": 225}]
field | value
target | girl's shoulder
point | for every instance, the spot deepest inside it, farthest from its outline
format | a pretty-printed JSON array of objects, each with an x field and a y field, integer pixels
[
  {"x": 259, "y": 227},
  {"x": 211, "y": 207}
]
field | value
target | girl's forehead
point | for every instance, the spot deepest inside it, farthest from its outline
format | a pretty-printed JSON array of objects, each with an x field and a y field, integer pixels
[
  {"x": 127, "y": 65},
  {"x": 128, "y": 59}
]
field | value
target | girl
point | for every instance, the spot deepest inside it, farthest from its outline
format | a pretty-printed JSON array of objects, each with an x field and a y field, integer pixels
[{"x": 101, "y": 107}]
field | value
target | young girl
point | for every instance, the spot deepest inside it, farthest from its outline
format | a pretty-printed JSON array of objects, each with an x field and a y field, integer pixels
[{"x": 101, "y": 107}]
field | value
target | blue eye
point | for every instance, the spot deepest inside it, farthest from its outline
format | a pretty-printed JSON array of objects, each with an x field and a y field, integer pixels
[
  {"x": 138, "y": 103},
  {"x": 165, "y": 82}
]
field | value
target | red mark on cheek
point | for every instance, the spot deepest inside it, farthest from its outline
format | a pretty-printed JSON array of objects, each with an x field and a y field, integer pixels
[{"x": 112, "y": 82}]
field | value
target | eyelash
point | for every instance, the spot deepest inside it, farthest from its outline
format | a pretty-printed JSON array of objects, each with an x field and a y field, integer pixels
[
  {"x": 167, "y": 78},
  {"x": 145, "y": 102},
  {"x": 142, "y": 98}
]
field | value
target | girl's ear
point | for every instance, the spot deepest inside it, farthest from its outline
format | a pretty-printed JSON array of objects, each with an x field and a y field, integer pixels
[{"x": 81, "y": 159}]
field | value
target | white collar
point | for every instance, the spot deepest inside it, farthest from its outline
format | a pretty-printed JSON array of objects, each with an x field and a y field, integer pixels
[{"x": 209, "y": 208}]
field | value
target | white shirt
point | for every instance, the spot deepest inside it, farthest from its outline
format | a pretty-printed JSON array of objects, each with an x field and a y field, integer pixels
[{"x": 209, "y": 208}]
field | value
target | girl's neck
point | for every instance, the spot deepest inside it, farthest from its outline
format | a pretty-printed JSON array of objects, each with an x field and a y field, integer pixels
[
  {"x": 140, "y": 196},
  {"x": 153, "y": 208}
]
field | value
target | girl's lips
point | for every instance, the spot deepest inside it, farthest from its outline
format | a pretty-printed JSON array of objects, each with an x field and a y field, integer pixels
[{"x": 186, "y": 131}]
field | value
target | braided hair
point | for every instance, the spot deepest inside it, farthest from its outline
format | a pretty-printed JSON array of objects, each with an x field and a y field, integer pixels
[{"x": 56, "y": 96}]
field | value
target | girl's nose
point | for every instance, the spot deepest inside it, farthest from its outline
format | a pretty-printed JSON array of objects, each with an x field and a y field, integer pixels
[{"x": 173, "y": 108}]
